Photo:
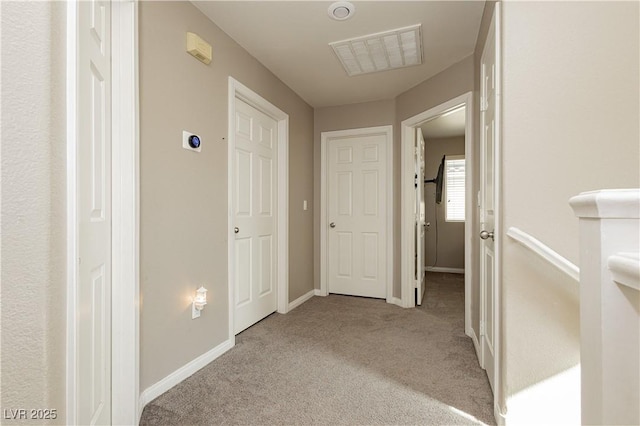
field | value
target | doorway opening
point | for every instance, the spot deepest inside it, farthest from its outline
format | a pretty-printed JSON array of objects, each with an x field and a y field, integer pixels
[
  {"x": 440, "y": 202},
  {"x": 424, "y": 165}
]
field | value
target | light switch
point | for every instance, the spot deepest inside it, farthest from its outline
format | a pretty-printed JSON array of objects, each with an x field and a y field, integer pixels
[{"x": 304, "y": 205}]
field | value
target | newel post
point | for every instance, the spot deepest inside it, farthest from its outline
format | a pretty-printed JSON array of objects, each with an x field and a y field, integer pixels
[{"x": 609, "y": 305}]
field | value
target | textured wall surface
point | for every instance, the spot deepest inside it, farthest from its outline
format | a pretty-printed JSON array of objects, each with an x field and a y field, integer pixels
[
  {"x": 184, "y": 221},
  {"x": 571, "y": 121},
  {"x": 32, "y": 227}
]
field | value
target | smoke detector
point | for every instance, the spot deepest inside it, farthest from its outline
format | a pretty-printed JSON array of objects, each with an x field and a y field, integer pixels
[{"x": 341, "y": 10}]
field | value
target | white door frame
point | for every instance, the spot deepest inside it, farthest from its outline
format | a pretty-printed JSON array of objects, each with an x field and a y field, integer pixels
[
  {"x": 238, "y": 90},
  {"x": 406, "y": 199},
  {"x": 125, "y": 214},
  {"x": 324, "y": 205}
]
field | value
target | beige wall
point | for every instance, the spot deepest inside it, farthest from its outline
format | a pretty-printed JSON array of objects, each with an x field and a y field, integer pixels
[
  {"x": 450, "y": 241},
  {"x": 184, "y": 195},
  {"x": 353, "y": 116},
  {"x": 570, "y": 124},
  {"x": 33, "y": 224}
]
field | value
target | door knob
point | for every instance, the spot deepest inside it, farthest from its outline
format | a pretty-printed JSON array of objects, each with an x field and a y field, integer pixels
[
  {"x": 332, "y": 224},
  {"x": 236, "y": 230},
  {"x": 484, "y": 235}
]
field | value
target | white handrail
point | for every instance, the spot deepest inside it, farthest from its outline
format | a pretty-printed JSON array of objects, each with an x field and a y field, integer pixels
[
  {"x": 545, "y": 252},
  {"x": 625, "y": 269}
]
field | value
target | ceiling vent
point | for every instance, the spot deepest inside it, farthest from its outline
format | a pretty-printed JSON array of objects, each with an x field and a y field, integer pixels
[{"x": 380, "y": 52}]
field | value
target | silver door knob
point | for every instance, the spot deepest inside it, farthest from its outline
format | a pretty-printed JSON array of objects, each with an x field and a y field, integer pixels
[
  {"x": 236, "y": 230},
  {"x": 332, "y": 224},
  {"x": 484, "y": 235}
]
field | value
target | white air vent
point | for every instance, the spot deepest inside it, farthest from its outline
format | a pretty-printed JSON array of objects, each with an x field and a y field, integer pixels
[{"x": 382, "y": 51}]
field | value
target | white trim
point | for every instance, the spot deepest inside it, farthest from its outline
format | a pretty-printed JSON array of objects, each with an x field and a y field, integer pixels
[
  {"x": 607, "y": 203},
  {"x": 545, "y": 252},
  {"x": 501, "y": 419},
  {"x": 388, "y": 131},
  {"x": 497, "y": 294},
  {"x": 125, "y": 208},
  {"x": 318, "y": 292},
  {"x": 396, "y": 301},
  {"x": 238, "y": 90},
  {"x": 300, "y": 300},
  {"x": 476, "y": 344},
  {"x": 444, "y": 269},
  {"x": 72, "y": 222},
  {"x": 407, "y": 136},
  {"x": 125, "y": 184},
  {"x": 187, "y": 370},
  {"x": 625, "y": 269}
]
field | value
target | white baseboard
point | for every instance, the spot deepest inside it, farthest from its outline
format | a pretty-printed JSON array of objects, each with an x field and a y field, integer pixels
[
  {"x": 395, "y": 301},
  {"x": 300, "y": 300},
  {"x": 476, "y": 344},
  {"x": 157, "y": 389},
  {"x": 318, "y": 292},
  {"x": 443, "y": 269},
  {"x": 501, "y": 419}
]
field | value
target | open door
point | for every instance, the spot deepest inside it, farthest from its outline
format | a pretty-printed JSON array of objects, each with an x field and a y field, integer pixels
[
  {"x": 420, "y": 218},
  {"x": 489, "y": 193}
]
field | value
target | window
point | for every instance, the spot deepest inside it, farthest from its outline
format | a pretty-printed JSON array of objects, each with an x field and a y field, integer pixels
[{"x": 454, "y": 166}]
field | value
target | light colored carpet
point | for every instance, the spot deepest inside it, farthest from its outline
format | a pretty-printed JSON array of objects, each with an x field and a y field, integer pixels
[{"x": 342, "y": 360}]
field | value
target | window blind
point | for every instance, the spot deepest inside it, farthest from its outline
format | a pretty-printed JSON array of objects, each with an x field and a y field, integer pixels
[{"x": 454, "y": 167}]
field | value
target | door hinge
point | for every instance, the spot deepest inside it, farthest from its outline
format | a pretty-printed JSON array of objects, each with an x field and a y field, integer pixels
[
  {"x": 483, "y": 105},
  {"x": 482, "y": 328}
]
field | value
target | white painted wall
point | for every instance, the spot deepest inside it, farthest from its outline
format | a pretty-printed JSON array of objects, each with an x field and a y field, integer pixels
[
  {"x": 570, "y": 124},
  {"x": 32, "y": 229}
]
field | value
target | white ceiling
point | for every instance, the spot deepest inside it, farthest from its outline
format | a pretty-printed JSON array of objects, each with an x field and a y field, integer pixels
[
  {"x": 291, "y": 39},
  {"x": 448, "y": 125}
]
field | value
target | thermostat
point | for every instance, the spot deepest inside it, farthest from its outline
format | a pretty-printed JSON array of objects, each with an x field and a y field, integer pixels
[
  {"x": 191, "y": 141},
  {"x": 194, "y": 141}
]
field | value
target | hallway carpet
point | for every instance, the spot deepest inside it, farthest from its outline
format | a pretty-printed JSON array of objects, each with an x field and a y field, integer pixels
[{"x": 342, "y": 360}]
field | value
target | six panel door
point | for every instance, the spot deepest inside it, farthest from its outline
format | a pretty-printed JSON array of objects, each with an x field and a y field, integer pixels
[
  {"x": 357, "y": 185},
  {"x": 94, "y": 213},
  {"x": 254, "y": 215}
]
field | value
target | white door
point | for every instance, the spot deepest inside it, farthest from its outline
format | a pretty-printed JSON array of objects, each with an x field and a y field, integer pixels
[
  {"x": 488, "y": 193},
  {"x": 94, "y": 213},
  {"x": 420, "y": 218},
  {"x": 254, "y": 215},
  {"x": 356, "y": 196}
]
